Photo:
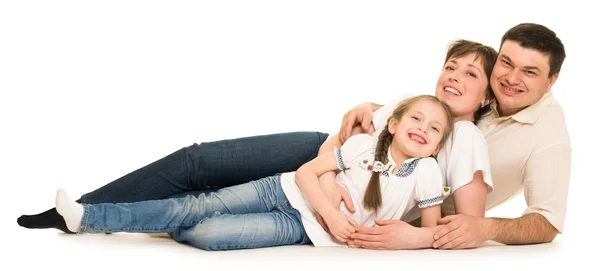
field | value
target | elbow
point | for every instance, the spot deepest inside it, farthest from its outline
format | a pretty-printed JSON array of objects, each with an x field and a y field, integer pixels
[
  {"x": 301, "y": 174},
  {"x": 550, "y": 236}
]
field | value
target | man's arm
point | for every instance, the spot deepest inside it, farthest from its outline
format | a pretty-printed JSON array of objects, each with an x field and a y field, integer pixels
[
  {"x": 528, "y": 229},
  {"x": 465, "y": 231}
]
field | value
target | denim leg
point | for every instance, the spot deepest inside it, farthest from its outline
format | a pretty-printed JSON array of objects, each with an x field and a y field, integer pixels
[
  {"x": 205, "y": 166},
  {"x": 169, "y": 215},
  {"x": 282, "y": 226}
]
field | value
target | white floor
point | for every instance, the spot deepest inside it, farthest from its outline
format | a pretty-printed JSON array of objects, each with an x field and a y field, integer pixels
[{"x": 49, "y": 248}]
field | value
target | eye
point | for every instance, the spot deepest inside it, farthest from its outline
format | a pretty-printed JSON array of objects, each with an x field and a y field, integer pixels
[
  {"x": 472, "y": 74},
  {"x": 415, "y": 118},
  {"x": 435, "y": 129},
  {"x": 505, "y": 63},
  {"x": 450, "y": 68},
  {"x": 530, "y": 73}
]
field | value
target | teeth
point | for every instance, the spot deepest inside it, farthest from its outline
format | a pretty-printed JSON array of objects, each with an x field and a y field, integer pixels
[
  {"x": 417, "y": 138},
  {"x": 453, "y": 91},
  {"x": 512, "y": 89}
]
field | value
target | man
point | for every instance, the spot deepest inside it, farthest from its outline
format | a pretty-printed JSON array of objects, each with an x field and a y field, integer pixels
[{"x": 529, "y": 149}]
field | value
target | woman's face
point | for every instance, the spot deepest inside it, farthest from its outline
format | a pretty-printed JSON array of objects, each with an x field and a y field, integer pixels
[{"x": 462, "y": 85}]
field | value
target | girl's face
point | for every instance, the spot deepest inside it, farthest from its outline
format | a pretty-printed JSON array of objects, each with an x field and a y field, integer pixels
[
  {"x": 419, "y": 131},
  {"x": 462, "y": 86}
]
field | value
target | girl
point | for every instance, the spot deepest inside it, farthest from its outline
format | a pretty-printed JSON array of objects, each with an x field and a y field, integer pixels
[{"x": 390, "y": 174}]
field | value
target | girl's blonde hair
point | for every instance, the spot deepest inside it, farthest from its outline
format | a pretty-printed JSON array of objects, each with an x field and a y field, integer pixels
[{"x": 372, "y": 199}]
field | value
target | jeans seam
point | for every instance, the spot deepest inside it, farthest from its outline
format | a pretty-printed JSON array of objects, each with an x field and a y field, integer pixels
[{"x": 84, "y": 221}]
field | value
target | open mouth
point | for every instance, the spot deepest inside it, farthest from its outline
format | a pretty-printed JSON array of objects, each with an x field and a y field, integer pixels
[
  {"x": 417, "y": 138},
  {"x": 510, "y": 90},
  {"x": 453, "y": 91}
]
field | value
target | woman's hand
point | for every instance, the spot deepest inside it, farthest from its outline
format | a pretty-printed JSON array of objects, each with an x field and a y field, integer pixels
[{"x": 361, "y": 114}]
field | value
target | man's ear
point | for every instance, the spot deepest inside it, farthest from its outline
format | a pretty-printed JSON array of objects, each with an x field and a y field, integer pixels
[{"x": 551, "y": 81}]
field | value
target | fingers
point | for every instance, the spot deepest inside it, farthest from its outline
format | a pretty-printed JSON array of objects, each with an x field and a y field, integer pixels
[
  {"x": 388, "y": 222},
  {"x": 366, "y": 244},
  {"x": 354, "y": 225},
  {"x": 347, "y": 124},
  {"x": 348, "y": 201},
  {"x": 454, "y": 244},
  {"x": 344, "y": 233},
  {"x": 366, "y": 122},
  {"x": 371, "y": 129},
  {"x": 370, "y": 230},
  {"x": 447, "y": 239},
  {"x": 446, "y": 220},
  {"x": 367, "y": 237},
  {"x": 340, "y": 238},
  {"x": 322, "y": 222},
  {"x": 445, "y": 230}
]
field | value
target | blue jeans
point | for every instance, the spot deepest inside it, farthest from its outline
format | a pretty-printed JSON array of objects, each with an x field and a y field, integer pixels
[
  {"x": 208, "y": 166},
  {"x": 252, "y": 215}
]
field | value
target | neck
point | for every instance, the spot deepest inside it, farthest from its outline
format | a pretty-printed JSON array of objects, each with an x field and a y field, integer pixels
[
  {"x": 470, "y": 118},
  {"x": 507, "y": 112},
  {"x": 398, "y": 156}
]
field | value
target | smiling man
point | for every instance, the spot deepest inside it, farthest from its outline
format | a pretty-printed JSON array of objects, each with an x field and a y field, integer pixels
[{"x": 529, "y": 150}]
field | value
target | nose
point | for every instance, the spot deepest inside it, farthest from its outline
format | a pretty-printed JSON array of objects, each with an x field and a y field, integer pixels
[
  {"x": 423, "y": 128},
  {"x": 454, "y": 77},
  {"x": 513, "y": 77}
]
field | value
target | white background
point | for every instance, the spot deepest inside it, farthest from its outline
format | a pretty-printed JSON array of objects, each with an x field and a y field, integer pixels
[{"x": 91, "y": 91}]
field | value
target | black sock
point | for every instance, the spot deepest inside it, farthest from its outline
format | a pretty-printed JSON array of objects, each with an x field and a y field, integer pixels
[{"x": 46, "y": 220}]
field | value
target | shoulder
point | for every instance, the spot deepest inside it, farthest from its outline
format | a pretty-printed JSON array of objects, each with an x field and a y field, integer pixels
[
  {"x": 358, "y": 139},
  {"x": 466, "y": 128},
  {"x": 551, "y": 126},
  {"x": 466, "y": 133},
  {"x": 426, "y": 163}
]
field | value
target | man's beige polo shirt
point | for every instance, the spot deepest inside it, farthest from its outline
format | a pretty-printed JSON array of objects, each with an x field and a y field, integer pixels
[{"x": 531, "y": 150}]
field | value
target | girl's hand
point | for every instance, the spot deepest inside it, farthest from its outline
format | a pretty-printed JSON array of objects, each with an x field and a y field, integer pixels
[{"x": 340, "y": 225}]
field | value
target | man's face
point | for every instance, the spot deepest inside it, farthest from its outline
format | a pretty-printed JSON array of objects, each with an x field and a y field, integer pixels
[{"x": 520, "y": 77}]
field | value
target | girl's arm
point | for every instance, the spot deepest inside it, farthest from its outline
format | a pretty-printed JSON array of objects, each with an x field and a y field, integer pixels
[
  {"x": 430, "y": 216},
  {"x": 307, "y": 179}
]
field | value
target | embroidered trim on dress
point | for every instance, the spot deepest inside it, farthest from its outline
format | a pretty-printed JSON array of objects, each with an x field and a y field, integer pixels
[
  {"x": 431, "y": 201},
  {"x": 338, "y": 158},
  {"x": 406, "y": 169}
]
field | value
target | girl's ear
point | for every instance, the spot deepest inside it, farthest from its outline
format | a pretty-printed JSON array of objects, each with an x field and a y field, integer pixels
[{"x": 392, "y": 125}]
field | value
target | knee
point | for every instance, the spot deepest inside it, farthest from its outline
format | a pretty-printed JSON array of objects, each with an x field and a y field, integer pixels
[{"x": 205, "y": 235}]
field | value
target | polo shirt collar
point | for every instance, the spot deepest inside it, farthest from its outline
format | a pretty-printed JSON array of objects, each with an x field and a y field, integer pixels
[{"x": 529, "y": 114}]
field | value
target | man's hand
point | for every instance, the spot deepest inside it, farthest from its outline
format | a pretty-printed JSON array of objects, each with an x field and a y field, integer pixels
[
  {"x": 361, "y": 114},
  {"x": 461, "y": 231},
  {"x": 336, "y": 195},
  {"x": 341, "y": 225},
  {"x": 392, "y": 234}
]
